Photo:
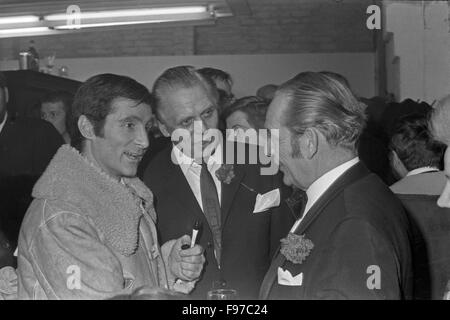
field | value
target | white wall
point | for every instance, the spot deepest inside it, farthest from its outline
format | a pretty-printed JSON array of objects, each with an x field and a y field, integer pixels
[
  {"x": 249, "y": 71},
  {"x": 422, "y": 42}
]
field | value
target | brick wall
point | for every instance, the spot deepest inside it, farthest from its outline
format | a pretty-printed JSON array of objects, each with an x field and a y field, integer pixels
[
  {"x": 145, "y": 41},
  {"x": 277, "y": 26},
  {"x": 290, "y": 27}
]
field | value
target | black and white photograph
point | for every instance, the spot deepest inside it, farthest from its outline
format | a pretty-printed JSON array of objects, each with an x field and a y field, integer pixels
[{"x": 249, "y": 151}]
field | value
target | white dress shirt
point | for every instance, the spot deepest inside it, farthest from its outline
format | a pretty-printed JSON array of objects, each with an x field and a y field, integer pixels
[
  {"x": 421, "y": 170},
  {"x": 192, "y": 170},
  {"x": 318, "y": 187},
  {"x": 3, "y": 122}
]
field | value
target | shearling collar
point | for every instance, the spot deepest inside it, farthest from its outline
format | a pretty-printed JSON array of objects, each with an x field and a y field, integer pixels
[{"x": 114, "y": 207}]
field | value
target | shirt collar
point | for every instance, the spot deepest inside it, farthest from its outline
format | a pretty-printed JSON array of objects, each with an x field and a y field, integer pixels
[
  {"x": 186, "y": 162},
  {"x": 3, "y": 122},
  {"x": 421, "y": 170},
  {"x": 318, "y": 187}
]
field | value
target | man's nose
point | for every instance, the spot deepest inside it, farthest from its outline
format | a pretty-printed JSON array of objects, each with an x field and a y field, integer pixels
[
  {"x": 142, "y": 138},
  {"x": 205, "y": 125},
  {"x": 199, "y": 127}
]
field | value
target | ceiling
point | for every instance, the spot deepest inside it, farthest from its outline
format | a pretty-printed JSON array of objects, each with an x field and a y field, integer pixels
[
  {"x": 56, "y": 1},
  {"x": 43, "y": 7}
]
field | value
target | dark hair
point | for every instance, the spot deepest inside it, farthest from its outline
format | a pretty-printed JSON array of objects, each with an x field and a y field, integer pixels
[
  {"x": 59, "y": 96},
  {"x": 316, "y": 100},
  {"x": 94, "y": 99},
  {"x": 216, "y": 74},
  {"x": 414, "y": 143},
  {"x": 255, "y": 108},
  {"x": 224, "y": 100},
  {"x": 180, "y": 77}
]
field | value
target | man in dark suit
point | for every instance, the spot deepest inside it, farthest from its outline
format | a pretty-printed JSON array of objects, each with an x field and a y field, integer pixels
[
  {"x": 238, "y": 241},
  {"x": 416, "y": 158},
  {"x": 352, "y": 241},
  {"x": 26, "y": 145}
]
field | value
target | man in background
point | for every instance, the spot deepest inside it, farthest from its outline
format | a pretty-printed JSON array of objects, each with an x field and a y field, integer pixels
[
  {"x": 55, "y": 108},
  {"x": 220, "y": 78},
  {"x": 416, "y": 157},
  {"x": 26, "y": 145},
  {"x": 224, "y": 85}
]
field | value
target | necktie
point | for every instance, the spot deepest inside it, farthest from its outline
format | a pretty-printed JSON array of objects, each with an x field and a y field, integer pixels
[
  {"x": 211, "y": 207},
  {"x": 297, "y": 202}
]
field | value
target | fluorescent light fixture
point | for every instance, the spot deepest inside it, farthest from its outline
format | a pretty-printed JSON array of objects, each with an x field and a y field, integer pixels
[
  {"x": 18, "y": 31},
  {"x": 106, "y": 24},
  {"x": 127, "y": 13},
  {"x": 18, "y": 19}
]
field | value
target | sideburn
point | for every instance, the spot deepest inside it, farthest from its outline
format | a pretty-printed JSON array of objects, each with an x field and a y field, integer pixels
[{"x": 296, "y": 152}]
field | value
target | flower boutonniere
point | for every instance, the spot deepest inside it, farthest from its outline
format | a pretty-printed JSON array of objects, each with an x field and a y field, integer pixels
[
  {"x": 296, "y": 248},
  {"x": 225, "y": 173}
]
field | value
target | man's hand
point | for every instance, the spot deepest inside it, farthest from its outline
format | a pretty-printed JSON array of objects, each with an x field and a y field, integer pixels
[{"x": 186, "y": 264}]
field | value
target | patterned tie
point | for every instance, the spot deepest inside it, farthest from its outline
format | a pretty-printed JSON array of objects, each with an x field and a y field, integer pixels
[
  {"x": 211, "y": 207},
  {"x": 297, "y": 202}
]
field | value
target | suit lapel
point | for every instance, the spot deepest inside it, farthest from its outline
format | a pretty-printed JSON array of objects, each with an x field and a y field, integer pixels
[
  {"x": 354, "y": 173},
  {"x": 6, "y": 126},
  {"x": 177, "y": 184},
  {"x": 229, "y": 191},
  {"x": 271, "y": 276}
]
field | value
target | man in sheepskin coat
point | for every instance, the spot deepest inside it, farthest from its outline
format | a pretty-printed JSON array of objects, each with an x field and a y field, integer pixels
[{"x": 90, "y": 230}]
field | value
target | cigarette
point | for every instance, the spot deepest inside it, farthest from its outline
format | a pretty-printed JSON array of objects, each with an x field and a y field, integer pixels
[
  {"x": 195, "y": 231},
  {"x": 194, "y": 237}
]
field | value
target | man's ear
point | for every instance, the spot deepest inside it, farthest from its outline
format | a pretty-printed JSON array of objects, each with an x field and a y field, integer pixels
[
  {"x": 309, "y": 143},
  {"x": 86, "y": 128},
  {"x": 162, "y": 127}
]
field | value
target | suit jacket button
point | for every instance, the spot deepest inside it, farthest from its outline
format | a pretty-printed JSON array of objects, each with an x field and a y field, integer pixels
[{"x": 209, "y": 245}]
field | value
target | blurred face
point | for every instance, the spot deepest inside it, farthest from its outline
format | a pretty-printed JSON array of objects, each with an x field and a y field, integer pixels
[
  {"x": 194, "y": 111},
  {"x": 444, "y": 199},
  {"x": 54, "y": 113},
  {"x": 124, "y": 140},
  {"x": 293, "y": 165},
  {"x": 238, "y": 122}
]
